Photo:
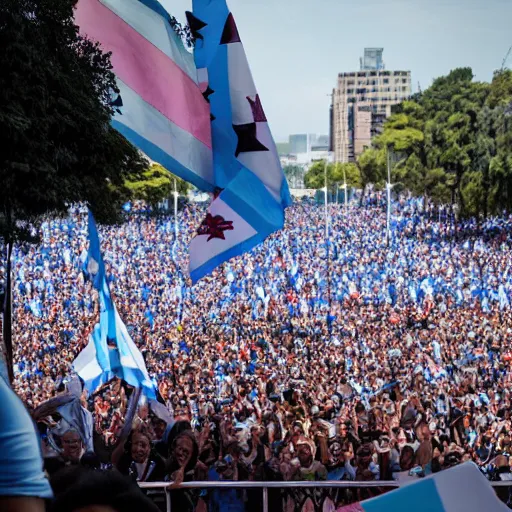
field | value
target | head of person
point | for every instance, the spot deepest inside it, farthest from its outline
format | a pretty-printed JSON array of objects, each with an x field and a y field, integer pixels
[
  {"x": 184, "y": 451},
  {"x": 305, "y": 452},
  {"x": 82, "y": 490},
  {"x": 407, "y": 458},
  {"x": 72, "y": 446},
  {"x": 159, "y": 427},
  {"x": 140, "y": 446}
]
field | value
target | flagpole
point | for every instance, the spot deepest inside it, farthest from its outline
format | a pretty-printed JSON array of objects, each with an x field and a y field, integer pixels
[
  {"x": 175, "y": 212},
  {"x": 388, "y": 216},
  {"x": 345, "y": 187},
  {"x": 327, "y": 248}
]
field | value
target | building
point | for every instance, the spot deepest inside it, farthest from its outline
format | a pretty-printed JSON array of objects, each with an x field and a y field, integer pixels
[
  {"x": 361, "y": 103},
  {"x": 304, "y": 150},
  {"x": 304, "y": 143},
  {"x": 372, "y": 60}
]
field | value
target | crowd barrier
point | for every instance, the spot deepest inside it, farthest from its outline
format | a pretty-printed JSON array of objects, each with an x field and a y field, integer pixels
[{"x": 163, "y": 487}]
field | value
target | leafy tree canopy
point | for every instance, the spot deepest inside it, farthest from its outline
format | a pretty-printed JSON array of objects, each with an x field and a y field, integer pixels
[
  {"x": 155, "y": 184},
  {"x": 336, "y": 175},
  {"x": 55, "y": 95}
]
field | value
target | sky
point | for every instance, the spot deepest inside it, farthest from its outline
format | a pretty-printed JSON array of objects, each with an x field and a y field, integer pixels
[{"x": 296, "y": 48}]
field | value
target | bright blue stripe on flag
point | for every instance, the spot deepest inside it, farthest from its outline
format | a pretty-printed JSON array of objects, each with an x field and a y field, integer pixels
[
  {"x": 418, "y": 497},
  {"x": 159, "y": 155}
]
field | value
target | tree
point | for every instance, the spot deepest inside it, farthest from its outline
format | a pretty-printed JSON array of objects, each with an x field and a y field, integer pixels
[
  {"x": 56, "y": 90},
  {"x": 436, "y": 133},
  {"x": 293, "y": 173},
  {"x": 155, "y": 184},
  {"x": 372, "y": 168},
  {"x": 315, "y": 177}
]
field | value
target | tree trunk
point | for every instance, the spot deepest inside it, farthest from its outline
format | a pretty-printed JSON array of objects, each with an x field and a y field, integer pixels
[
  {"x": 7, "y": 314},
  {"x": 362, "y": 196}
]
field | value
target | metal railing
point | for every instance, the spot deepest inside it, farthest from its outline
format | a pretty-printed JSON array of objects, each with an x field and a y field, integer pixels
[{"x": 265, "y": 486}]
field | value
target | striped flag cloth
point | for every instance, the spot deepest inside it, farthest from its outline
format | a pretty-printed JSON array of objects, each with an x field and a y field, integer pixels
[
  {"x": 160, "y": 108},
  {"x": 462, "y": 488},
  {"x": 111, "y": 351},
  {"x": 252, "y": 192}
]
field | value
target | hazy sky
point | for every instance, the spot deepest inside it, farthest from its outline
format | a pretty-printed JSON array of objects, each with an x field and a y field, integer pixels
[{"x": 296, "y": 48}]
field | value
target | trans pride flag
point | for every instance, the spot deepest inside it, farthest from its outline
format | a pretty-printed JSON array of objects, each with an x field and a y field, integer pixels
[
  {"x": 165, "y": 106},
  {"x": 252, "y": 192},
  {"x": 462, "y": 488},
  {"x": 160, "y": 108}
]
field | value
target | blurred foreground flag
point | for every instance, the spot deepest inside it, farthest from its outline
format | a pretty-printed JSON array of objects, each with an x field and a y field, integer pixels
[
  {"x": 160, "y": 108},
  {"x": 252, "y": 192},
  {"x": 462, "y": 488}
]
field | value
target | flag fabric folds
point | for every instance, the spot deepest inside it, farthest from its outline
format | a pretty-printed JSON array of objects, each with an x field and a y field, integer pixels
[
  {"x": 252, "y": 192},
  {"x": 110, "y": 352},
  {"x": 460, "y": 488},
  {"x": 203, "y": 121},
  {"x": 160, "y": 108}
]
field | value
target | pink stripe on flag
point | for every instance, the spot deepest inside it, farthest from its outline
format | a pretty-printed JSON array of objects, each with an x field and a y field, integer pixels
[{"x": 147, "y": 70}]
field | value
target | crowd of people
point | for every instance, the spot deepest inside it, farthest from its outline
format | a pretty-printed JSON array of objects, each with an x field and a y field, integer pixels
[{"x": 364, "y": 357}]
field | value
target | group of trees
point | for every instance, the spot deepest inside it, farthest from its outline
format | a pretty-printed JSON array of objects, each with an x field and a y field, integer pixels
[
  {"x": 451, "y": 144},
  {"x": 454, "y": 143}
]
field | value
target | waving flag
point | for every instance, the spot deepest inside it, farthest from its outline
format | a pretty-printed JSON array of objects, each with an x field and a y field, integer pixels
[
  {"x": 110, "y": 352},
  {"x": 160, "y": 108},
  {"x": 453, "y": 490},
  {"x": 252, "y": 192}
]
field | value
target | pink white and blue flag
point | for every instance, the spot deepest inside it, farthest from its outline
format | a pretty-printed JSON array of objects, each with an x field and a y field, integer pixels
[
  {"x": 165, "y": 106},
  {"x": 160, "y": 108},
  {"x": 252, "y": 192}
]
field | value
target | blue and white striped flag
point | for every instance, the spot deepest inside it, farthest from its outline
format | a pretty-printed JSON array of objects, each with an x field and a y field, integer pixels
[
  {"x": 252, "y": 190},
  {"x": 111, "y": 352}
]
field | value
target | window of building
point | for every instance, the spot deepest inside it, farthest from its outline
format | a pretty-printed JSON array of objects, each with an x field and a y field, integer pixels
[
  {"x": 404, "y": 80},
  {"x": 350, "y": 91},
  {"x": 386, "y": 80},
  {"x": 404, "y": 89},
  {"x": 350, "y": 82}
]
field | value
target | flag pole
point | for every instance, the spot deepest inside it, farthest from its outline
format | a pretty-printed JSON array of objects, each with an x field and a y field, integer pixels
[
  {"x": 175, "y": 212},
  {"x": 388, "y": 216},
  {"x": 327, "y": 253}
]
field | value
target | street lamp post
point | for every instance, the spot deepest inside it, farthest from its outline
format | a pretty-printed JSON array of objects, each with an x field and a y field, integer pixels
[
  {"x": 175, "y": 194},
  {"x": 388, "y": 187}
]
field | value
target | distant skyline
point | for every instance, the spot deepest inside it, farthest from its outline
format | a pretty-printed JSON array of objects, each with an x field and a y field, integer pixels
[{"x": 296, "y": 48}]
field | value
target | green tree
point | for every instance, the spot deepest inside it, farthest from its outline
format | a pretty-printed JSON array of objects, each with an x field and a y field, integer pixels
[
  {"x": 155, "y": 184},
  {"x": 59, "y": 148},
  {"x": 315, "y": 177},
  {"x": 372, "y": 168},
  {"x": 436, "y": 134},
  {"x": 56, "y": 90},
  {"x": 293, "y": 173}
]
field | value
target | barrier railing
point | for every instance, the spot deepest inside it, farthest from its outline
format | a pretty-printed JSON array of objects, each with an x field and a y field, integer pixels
[{"x": 265, "y": 486}]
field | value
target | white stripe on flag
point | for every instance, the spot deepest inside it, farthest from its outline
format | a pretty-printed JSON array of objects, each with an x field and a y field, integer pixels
[
  {"x": 202, "y": 250},
  {"x": 156, "y": 30}
]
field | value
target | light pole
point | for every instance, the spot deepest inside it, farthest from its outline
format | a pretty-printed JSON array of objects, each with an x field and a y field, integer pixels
[
  {"x": 388, "y": 187},
  {"x": 175, "y": 194}
]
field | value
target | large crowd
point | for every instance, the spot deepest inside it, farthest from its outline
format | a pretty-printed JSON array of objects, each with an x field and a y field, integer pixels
[{"x": 360, "y": 358}]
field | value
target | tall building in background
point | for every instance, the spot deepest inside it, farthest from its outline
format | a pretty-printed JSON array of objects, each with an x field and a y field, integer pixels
[{"x": 361, "y": 103}]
